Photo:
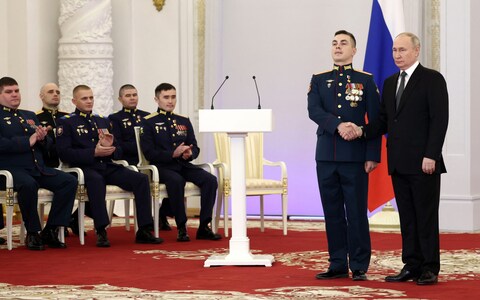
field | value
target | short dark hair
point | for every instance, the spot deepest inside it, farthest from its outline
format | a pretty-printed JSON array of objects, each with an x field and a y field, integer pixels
[
  {"x": 7, "y": 81},
  {"x": 349, "y": 34},
  {"x": 124, "y": 87},
  {"x": 163, "y": 87}
]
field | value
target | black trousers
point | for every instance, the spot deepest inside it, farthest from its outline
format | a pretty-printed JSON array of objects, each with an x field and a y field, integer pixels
[
  {"x": 96, "y": 182},
  {"x": 418, "y": 199},
  {"x": 175, "y": 182},
  {"x": 63, "y": 186},
  {"x": 344, "y": 191}
]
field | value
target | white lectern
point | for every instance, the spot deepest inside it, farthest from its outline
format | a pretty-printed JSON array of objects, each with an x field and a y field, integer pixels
[{"x": 237, "y": 123}]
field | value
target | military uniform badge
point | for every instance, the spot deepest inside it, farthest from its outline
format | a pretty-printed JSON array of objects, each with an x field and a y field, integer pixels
[{"x": 354, "y": 93}]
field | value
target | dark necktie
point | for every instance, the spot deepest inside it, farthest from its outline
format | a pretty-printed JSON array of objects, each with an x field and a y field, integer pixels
[{"x": 401, "y": 88}]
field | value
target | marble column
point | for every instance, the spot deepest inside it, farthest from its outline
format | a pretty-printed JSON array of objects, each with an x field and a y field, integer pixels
[{"x": 85, "y": 51}]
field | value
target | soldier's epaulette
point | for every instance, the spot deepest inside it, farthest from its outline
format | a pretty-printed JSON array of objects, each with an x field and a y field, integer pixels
[
  {"x": 364, "y": 72},
  {"x": 39, "y": 112},
  {"x": 151, "y": 115},
  {"x": 100, "y": 116},
  {"x": 323, "y": 72},
  {"x": 69, "y": 116}
]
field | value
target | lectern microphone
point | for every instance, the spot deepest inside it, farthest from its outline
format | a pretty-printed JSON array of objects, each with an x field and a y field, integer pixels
[
  {"x": 258, "y": 94},
  {"x": 226, "y": 77}
]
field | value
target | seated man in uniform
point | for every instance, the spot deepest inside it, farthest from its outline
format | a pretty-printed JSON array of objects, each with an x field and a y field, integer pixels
[
  {"x": 168, "y": 141},
  {"x": 84, "y": 141},
  {"x": 123, "y": 123},
  {"x": 22, "y": 141},
  {"x": 48, "y": 115}
]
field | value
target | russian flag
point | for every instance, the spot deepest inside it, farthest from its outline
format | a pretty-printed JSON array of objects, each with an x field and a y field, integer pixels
[{"x": 386, "y": 22}]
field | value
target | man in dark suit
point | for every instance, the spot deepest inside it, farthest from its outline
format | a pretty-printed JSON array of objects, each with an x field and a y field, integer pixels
[
  {"x": 337, "y": 97},
  {"x": 22, "y": 141},
  {"x": 168, "y": 141},
  {"x": 84, "y": 140},
  {"x": 123, "y": 124},
  {"x": 414, "y": 113}
]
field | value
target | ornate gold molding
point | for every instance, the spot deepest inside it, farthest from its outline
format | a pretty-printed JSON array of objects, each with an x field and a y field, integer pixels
[{"x": 159, "y": 4}]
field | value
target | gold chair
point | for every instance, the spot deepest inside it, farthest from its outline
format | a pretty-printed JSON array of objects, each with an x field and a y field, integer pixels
[
  {"x": 113, "y": 193},
  {"x": 159, "y": 191},
  {"x": 256, "y": 184},
  {"x": 9, "y": 199}
]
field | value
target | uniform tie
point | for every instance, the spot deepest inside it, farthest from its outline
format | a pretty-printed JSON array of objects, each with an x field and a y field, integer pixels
[{"x": 401, "y": 88}]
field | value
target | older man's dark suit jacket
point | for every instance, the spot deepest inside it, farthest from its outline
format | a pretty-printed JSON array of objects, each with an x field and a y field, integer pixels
[{"x": 417, "y": 129}]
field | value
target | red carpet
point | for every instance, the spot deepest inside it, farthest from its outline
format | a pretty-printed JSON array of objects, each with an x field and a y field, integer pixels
[{"x": 175, "y": 270}]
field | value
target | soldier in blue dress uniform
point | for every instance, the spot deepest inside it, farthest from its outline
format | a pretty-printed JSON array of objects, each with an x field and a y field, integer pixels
[
  {"x": 84, "y": 140},
  {"x": 123, "y": 124},
  {"x": 337, "y": 97},
  {"x": 168, "y": 141},
  {"x": 124, "y": 121},
  {"x": 22, "y": 141},
  {"x": 48, "y": 115}
]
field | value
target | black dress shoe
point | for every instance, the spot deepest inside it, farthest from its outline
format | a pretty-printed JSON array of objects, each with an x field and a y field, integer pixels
[
  {"x": 34, "y": 241},
  {"x": 427, "y": 278},
  {"x": 144, "y": 236},
  {"x": 50, "y": 238},
  {"x": 183, "y": 235},
  {"x": 102, "y": 239},
  {"x": 2, "y": 241},
  {"x": 359, "y": 275},
  {"x": 404, "y": 275},
  {"x": 163, "y": 224},
  {"x": 332, "y": 274},
  {"x": 205, "y": 233}
]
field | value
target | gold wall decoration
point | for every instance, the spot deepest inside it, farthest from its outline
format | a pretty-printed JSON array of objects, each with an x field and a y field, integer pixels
[{"x": 159, "y": 4}]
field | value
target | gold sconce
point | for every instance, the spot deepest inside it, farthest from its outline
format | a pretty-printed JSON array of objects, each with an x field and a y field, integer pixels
[{"x": 159, "y": 4}]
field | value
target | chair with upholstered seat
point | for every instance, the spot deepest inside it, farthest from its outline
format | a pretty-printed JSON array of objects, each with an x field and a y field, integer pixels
[
  {"x": 9, "y": 198},
  {"x": 159, "y": 191},
  {"x": 256, "y": 183}
]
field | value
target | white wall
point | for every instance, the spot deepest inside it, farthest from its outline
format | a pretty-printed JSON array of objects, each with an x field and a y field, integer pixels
[
  {"x": 460, "y": 198},
  {"x": 29, "y": 48},
  {"x": 282, "y": 43},
  {"x": 146, "y": 47}
]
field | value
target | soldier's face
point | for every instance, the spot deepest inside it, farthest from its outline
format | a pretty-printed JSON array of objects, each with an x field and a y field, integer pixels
[
  {"x": 129, "y": 98},
  {"x": 343, "y": 49},
  {"x": 405, "y": 53},
  {"x": 167, "y": 100},
  {"x": 10, "y": 96},
  {"x": 50, "y": 95},
  {"x": 83, "y": 100}
]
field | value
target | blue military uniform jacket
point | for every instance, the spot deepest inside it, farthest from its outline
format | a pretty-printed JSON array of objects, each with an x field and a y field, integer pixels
[
  {"x": 162, "y": 133},
  {"x": 123, "y": 123},
  {"x": 77, "y": 136},
  {"x": 16, "y": 127},
  {"x": 48, "y": 117},
  {"x": 343, "y": 95}
]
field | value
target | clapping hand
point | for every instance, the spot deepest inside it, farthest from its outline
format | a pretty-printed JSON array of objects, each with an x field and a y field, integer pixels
[{"x": 106, "y": 140}]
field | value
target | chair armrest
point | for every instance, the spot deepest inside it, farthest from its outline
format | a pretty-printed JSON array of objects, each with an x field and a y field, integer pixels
[
  {"x": 125, "y": 164},
  {"x": 77, "y": 171},
  {"x": 223, "y": 167},
  {"x": 280, "y": 164},
  {"x": 207, "y": 166},
  {"x": 153, "y": 169},
  {"x": 121, "y": 162},
  {"x": 8, "y": 178}
]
